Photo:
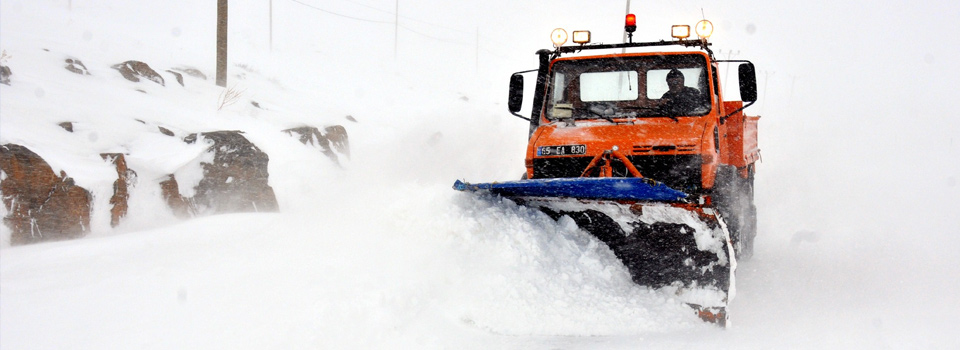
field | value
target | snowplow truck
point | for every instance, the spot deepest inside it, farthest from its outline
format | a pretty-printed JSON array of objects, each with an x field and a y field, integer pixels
[{"x": 638, "y": 144}]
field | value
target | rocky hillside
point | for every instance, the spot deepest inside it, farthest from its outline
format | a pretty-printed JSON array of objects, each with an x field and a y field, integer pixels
[{"x": 193, "y": 172}]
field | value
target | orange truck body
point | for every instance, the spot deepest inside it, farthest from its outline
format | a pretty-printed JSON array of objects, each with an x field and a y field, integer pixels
[{"x": 722, "y": 136}]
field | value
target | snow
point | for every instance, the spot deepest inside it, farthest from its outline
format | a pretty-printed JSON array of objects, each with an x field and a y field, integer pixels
[
  {"x": 857, "y": 194},
  {"x": 707, "y": 240}
]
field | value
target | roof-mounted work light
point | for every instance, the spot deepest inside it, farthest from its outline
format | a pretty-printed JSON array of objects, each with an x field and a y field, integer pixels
[
  {"x": 581, "y": 36},
  {"x": 559, "y": 37},
  {"x": 704, "y": 29},
  {"x": 680, "y": 31}
]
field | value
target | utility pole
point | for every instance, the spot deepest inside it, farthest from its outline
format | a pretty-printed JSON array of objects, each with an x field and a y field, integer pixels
[
  {"x": 271, "y": 26},
  {"x": 620, "y": 83},
  {"x": 222, "y": 43},
  {"x": 726, "y": 74},
  {"x": 766, "y": 78},
  {"x": 396, "y": 27},
  {"x": 478, "y": 50},
  {"x": 625, "y": 32}
]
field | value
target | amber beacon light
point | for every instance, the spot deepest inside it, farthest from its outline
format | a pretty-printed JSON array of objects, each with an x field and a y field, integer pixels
[
  {"x": 704, "y": 29},
  {"x": 559, "y": 37}
]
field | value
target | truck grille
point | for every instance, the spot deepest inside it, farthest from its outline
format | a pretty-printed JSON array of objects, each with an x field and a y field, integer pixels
[
  {"x": 664, "y": 148},
  {"x": 681, "y": 172}
]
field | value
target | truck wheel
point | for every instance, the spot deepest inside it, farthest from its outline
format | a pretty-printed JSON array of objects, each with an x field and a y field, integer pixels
[
  {"x": 749, "y": 226},
  {"x": 729, "y": 199},
  {"x": 749, "y": 233}
]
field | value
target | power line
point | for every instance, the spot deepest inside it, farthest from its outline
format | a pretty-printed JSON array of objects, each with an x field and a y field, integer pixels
[
  {"x": 383, "y": 11},
  {"x": 408, "y": 17},
  {"x": 397, "y": 24},
  {"x": 435, "y": 25},
  {"x": 340, "y": 15},
  {"x": 369, "y": 7},
  {"x": 450, "y": 41}
]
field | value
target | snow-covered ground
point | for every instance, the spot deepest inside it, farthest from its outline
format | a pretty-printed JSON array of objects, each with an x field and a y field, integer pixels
[{"x": 859, "y": 242}]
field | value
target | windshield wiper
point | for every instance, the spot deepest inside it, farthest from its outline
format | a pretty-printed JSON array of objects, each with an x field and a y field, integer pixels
[
  {"x": 675, "y": 119},
  {"x": 569, "y": 118},
  {"x": 607, "y": 118},
  {"x": 603, "y": 115}
]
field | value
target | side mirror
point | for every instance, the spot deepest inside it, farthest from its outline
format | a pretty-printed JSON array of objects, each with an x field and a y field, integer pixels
[
  {"x": 515, "y": 100},
  {"x": 748, "y": 82}
]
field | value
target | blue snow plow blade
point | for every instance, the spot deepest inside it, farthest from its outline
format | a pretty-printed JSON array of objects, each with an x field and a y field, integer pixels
[{"x": 609, "y": 188}]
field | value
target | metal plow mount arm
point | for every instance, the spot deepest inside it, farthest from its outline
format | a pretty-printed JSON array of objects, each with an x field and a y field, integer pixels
[{"x": 603, "y": 162}]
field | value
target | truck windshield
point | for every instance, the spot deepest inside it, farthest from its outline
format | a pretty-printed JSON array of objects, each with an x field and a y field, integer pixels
[{"x": 627, "y": 87}]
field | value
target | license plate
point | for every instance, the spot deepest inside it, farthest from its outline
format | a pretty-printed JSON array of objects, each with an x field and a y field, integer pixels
[{"x": 564, "y": 150}]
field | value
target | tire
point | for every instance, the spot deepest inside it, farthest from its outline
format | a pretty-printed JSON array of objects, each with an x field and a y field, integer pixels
[
  {"x": 733, "y": 197},
  {"x": 726, "y": 198},
  {"x": 749, "y": 226}
]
